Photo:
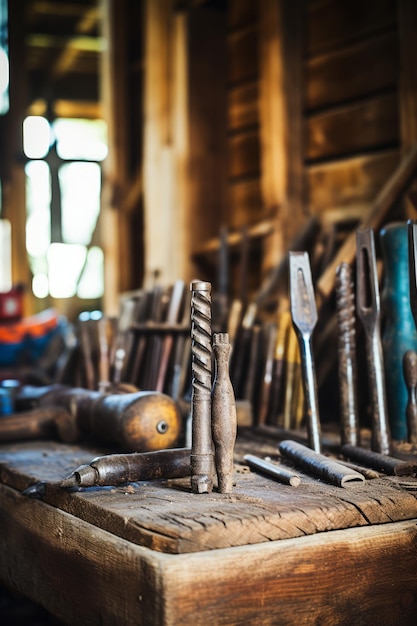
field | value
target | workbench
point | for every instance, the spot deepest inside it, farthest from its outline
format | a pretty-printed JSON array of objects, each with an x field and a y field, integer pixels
[{"x": 153, "y": 553}]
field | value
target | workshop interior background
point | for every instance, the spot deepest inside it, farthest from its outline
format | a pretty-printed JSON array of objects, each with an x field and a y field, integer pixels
[{"x": 146, "y": 142}]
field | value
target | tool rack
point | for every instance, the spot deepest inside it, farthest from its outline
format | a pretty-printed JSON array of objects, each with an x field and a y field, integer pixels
[{"x": 154, "y": 553}]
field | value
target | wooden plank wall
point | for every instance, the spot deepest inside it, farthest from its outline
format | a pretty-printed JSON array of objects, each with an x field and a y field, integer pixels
[
  {"x": 351, "y": 101},
  {"x": 244, "y": 182}
]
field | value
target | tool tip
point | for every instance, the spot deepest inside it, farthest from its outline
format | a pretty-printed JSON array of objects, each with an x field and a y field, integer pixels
[
  {"x": 37, "y": 490},
  {"x": 70, "y": 481}
]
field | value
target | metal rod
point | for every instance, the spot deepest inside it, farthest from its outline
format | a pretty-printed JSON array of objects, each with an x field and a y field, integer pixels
[
  {"x": 285, "y": 476},
  {"x": 368, "y": 307},
  {"x": 380, "y": 462},
  {"x": 304, "y": 318},
  {"x": 331, "y": 471}
]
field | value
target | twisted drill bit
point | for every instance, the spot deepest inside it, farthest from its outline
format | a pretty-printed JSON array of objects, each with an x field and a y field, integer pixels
[
  {"x": 201, "y": 364},
  {"x": 347, "y": 354}
]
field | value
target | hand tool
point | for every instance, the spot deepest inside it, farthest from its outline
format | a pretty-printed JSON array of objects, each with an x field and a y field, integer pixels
[
  {"x": 410, "y": 377},
  {"x": 330, "y": 470},
  {"x": 86, "y": 348},
  {"x": 118, "y": 469},
  {"x": 267, "y": 374},
  {"x": 347, "y": 355},
  {"x": 223, "y": 414},
  {"x": 367, "y": 472},
  {"x": 241, "y": 350},
  {"x": 41, "y": 423},
  {"x": 104, "y": 365},
  {"x": 172, "y": 317},
  {"x": 380, "y": 462},
  {"x": 201, "y": 366},
  {"x": 304, "y": 318},
  {"x": 140, "y": 421},
  {"x": 274, "y": 470},
  {"x": 278, "y": 374},
  {"x": 368, "y": 307}
]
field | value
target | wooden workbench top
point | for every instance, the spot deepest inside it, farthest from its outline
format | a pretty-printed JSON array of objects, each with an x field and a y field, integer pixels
[
  {"x": 165, "y": 515},
  {"x": 153, "y": 554}
]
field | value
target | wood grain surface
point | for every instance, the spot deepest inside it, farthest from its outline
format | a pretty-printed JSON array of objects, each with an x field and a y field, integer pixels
[
  {"x": 77, "y": 553},
  {"x": 167, "y": 517}
]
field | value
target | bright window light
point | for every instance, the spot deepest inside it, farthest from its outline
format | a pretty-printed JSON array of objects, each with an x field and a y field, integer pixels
[
  {"x": 65, "y": 262},
  {"x": 91, "y": 284},
  {"x": 36, "y": 137},
  {"x": 40, "y": 285},
  {"x": 81, "y": 139},
  {"x": 4, "y": 58},
  {"x": 80, "y": 188},
  {"x": 38, "y": 198}
]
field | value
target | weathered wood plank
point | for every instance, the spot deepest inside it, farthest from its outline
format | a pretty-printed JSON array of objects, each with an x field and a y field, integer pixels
[
  {"x": 282, "y": 179},
  {"x": 166, "y": 517},
  {"x": 361, "y": 576},
  {"x": 353, "y": 72},
  {"x": 243, "y": 54},
  {"x": 350, "y": 181},
  {"x": 85, "y": 575},
  {"x": 361, "y": 126},
  {"x": 408, "y": 72},
  {"x": 244, "y": 154},
  {"x": 81, "y": 574},
  {"x": 333, "y": 23},
  {"x": 243, "y": 109},
  {"x": 242, "y": 12},
  {"x": 245, "y": 202}
]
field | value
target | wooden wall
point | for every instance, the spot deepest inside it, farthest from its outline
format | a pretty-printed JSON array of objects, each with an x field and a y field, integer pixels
[
  {"x": 312, "y": 124},
  {"x": 351, "y": 110}
]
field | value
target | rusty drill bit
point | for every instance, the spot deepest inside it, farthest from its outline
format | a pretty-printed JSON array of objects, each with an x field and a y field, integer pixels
[
  {"x": 223, "y": 416},
  {"x": 201, "y": 352},
  {"x": 410, "y": 377},
  {"x": 347, "y": 354},
  {"x": 368, "y": 307},
  {"x": 304, "y": 318}
]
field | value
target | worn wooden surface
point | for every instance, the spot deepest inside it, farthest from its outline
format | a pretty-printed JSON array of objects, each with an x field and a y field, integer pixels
[
  {"x": 78, "y": 554},
  {"x": 165, "y": 516}
]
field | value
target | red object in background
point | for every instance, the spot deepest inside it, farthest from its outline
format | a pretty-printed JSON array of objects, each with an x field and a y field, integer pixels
[{"x": 11, "y": 305}]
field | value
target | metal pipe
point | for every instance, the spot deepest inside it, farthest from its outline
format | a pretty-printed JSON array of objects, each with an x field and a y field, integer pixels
[{"x": 331, "y": 471}]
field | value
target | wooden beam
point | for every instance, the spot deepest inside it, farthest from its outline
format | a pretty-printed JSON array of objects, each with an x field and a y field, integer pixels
[
  {"x": 407, "y": 23},
  {"x": 282, "y": 178}
]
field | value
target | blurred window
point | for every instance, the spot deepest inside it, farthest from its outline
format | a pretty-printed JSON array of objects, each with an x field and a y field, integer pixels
[
  {"x": 63, "y": 187},
  {"x": 4, "y": 58}
]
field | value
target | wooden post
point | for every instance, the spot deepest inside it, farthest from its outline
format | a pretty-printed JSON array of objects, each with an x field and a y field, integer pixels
[{"x": 281, "y": 121}]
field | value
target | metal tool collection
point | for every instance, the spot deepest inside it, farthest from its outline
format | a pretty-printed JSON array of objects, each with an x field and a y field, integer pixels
[{"x": 157, "y": 353}]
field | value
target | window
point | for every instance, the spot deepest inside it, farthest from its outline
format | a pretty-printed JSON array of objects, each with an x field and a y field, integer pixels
[
  {"x": 4, "y": 59},
  {"x": 63, "y": 186}
]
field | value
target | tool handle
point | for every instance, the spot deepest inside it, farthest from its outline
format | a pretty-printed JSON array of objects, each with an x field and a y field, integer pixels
[
  {"x": 39, "y": 423},
  {"x": 117, "y": 469},
  {"x": 140, "y": 421}
]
